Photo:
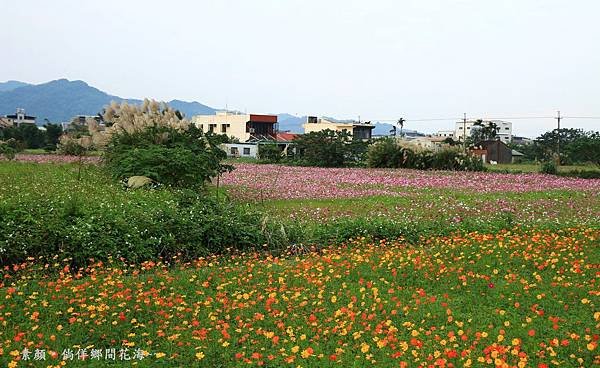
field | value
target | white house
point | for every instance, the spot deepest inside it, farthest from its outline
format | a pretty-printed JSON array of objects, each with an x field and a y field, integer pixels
[
  {"x": 504, "y": 129},
  {"x": 20, "y": 118},
  {"x": 241, "y": 149}
]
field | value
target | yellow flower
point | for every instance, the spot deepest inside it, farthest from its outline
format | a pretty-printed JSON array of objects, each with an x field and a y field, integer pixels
[
  {"x": 295, "y": 349},
  {"x": 12, "y": 364},
  {"x": 200, "y": 355},
  {"x": 160, "y": 355},
  {"x": 591, "y": 346},
  {"x": 364, "y": 347}
]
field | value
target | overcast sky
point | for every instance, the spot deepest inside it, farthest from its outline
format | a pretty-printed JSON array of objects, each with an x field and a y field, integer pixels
[{"x": 377, "y": 59}]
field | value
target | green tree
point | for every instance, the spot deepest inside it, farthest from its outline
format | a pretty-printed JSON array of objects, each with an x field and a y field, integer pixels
[
  {"x": 546, "y": 145},
  {"x": 482, "y": 131},
  {"x": 329, "y": 148},
  {"x": 269, "y": 152},
  {"x": 53, "y": 133},
  {"x": 152, "y": 140}
]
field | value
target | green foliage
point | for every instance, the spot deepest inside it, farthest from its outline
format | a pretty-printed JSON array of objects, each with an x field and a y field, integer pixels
[
  {"x": 387, "y": 153},
  {"x": 181, "y": 158},
  {"x": 482, "y": 131},
  {"x": 71, "y": 147},
  {"x": 96, "y": 218},
  {"x": 28, "y": 134},
  {"x": 549, "y": 167},
  {"x": 269, "y": 152},
  {"x": 53, "y": 133},
  {"x": 7, "y": 150},
  {"x": 328, "y": 148},
  {"x": 576, "y": 146}
]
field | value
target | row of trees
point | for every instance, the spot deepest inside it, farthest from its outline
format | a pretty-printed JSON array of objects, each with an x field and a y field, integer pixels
[
  {"x": 576, "y": 146},
  {"x": 29, "y": 136},
  {"x": 328, "y": 148}
]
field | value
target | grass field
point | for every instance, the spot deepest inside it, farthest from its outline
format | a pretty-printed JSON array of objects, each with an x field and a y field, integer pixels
[{"x": 499, "y": 270}]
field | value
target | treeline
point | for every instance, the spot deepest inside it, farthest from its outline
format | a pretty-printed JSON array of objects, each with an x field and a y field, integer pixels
[
  {"x": 330, "y": 148},
  {"x": 576, "y": 146},
  {"x": 30, "y": 136}
]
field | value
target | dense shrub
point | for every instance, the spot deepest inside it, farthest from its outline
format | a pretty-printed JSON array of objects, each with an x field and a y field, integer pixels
[
  {"x": 7, "y": 149},
  {"x": 328, "y": 148},
  {"x": 100, "y": 220},
  {"x": 389, "y": 154},
  {"x": 71, "y": 147},
  {"x": 269, "y": 153},
  {"x": 155, "y": 141},
  {"x": 385, "y": 153},
  {"x": 549, "y": 167}
]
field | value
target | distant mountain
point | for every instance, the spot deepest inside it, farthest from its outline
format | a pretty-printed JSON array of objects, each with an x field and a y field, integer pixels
[
  {"x": 10, "y": 85},
  {"x": 291, "y": 123},
  {"x": 62, "y": 99},
  {"x": 191, "y": 108}
]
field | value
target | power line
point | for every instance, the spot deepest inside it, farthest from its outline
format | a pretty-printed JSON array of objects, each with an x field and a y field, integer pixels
[{"x": 490, "y": 118}]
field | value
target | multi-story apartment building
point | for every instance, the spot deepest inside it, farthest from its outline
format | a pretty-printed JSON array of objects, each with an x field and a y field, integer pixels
[
  {"x": 245, "y": 127},
  {"x": 19, "y": 118},
  {"x": 357, "y": 129},
  {"x": 463, "y": 129}
]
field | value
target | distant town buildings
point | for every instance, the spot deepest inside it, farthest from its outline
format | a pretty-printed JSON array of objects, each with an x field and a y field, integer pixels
[
  {"x": 462, "y": 129},
  {"x": 357, "y": 129},
  {"x": 80, "y": 121},
  {"x": 243, "y": 127},
  {"x": 18, "y": 118}
]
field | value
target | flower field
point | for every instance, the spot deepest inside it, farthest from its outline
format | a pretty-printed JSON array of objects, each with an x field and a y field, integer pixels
[
  {"x": 513, "y": 299},
  {"x": 255, "y": 182},
  {"x": 446, "y": 269}
]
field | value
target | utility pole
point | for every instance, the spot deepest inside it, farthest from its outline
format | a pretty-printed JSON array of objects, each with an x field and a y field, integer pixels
[
  {"x": 465, "y": 132},
  {"x": 558, "y": 137}
]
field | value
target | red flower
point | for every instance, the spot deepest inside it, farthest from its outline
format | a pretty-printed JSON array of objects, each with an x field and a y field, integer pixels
[{"x": 491, "y": 285}]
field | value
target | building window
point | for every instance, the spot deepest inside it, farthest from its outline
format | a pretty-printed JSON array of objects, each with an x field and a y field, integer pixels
[
  {"x": 460, "y": 128},
  {"x": 246, "y": 151},
  {"x": 224, "y": 128},
  {"x": 507, "y": 128}
]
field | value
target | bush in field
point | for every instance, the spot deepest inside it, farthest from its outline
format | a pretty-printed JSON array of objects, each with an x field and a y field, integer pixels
[
  {"x": 549, "y": 167},
  {"x": 387, "y": 153},
  {"x": 73, "y": 146},
  {"x": 7, "y": 149},
  {"x": 328, "y": 148},
  {"x": 269, "y": 152},
  {"x": 155, "y": 141}
]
